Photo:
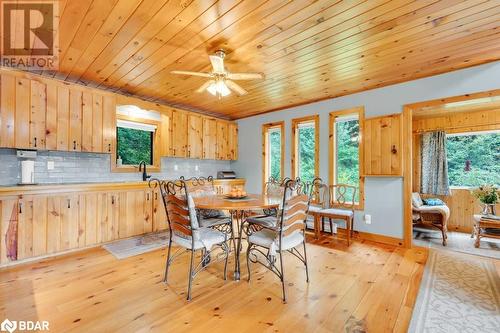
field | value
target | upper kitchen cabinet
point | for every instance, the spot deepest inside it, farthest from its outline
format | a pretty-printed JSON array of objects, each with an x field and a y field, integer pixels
[
  {"x": 383, "y": 146},
  {"x": 233, "y": 141},
  {"x": 46, "y": 114},
  {"x": 39, "y": 113},
  {"x": 179, "y": 133},
  {"x": 209, "y": 138},
  {"x": 195, "y": 136},
  {"x": 222, "y": 140}
]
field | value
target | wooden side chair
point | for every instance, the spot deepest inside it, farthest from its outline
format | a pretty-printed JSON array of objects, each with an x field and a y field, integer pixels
[
  {"x": 268, "y": 245},
  {"x": 341, "y": 207},
  {"x": 273, "y": 188},
  {"x": 430, "y": 216},
  {"x": 319, "y": 200},
  {"x": 185, "y": 231}
]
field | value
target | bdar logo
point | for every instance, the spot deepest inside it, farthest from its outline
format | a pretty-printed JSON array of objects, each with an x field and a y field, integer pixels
[{"x": 8, "y": 326}]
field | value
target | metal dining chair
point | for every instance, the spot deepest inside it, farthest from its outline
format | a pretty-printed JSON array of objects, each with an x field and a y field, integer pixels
[
  {"x": 185, "y": 231},
  {"x": 272, "y": 188},
  {"x": 269, "y": 244}
]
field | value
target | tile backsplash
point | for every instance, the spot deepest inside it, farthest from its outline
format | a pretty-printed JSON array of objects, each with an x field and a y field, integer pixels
[{"x": 75, "y": 167}]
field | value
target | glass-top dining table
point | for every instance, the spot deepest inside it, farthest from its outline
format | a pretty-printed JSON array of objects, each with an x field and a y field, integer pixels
[{"x": 239, "y": 210}]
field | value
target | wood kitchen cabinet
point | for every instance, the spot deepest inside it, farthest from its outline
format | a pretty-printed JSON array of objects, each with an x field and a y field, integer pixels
[
  {"x": 222, "y": 140},
  {"x": 195, "y": 136},
  {"x": 135, "y": 213},
  {"x": 209, "y": 138},
  {"x": 233, "y": 141},
  {"x": 160, "y": 222},
  {"x": 179, "y": 133},
  {"x": 39, "y": 113},
  {"x": 383, "y": 146}
]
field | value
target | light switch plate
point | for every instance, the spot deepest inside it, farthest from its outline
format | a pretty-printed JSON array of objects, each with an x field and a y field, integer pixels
[
  {"x": 368, "y": 219},
  {"x": 50, "y": 165},
  {"x": 176, "y": 167}
]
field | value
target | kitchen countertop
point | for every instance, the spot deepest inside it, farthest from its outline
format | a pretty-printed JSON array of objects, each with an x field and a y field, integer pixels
[{"x": 16, "y": 189}]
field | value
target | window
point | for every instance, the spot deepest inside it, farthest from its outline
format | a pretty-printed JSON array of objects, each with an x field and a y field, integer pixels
[
  {"x": 273, "y": 150},
  {"x": 346, "y": 150},
  {"x": 135, "y": 142},
  {"x": 473, "y": 158},
  {"x": 305, "y": 147}
]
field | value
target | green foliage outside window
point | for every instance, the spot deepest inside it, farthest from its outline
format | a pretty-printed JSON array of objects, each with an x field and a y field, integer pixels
[
  {"x": 274, "y": 154},
  {"x": 134, "y": 146},
  {"x": 306, "y": 141},
  {"x": 483, "y": 152},
  {"x": 347, "y": 153}
]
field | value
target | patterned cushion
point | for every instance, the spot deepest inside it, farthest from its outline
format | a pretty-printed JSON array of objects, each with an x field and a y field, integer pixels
[
  {"x": 416, "y": 200},
  {"x": 210, "y": 213},
  {"x": 266, "y": 221}
]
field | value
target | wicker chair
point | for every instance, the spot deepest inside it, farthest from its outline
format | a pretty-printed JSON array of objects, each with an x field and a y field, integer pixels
[
  {"x": 185, "y": 231},
  {"x": 433, "y": 216},
  {"x": 267, "y": 244}
]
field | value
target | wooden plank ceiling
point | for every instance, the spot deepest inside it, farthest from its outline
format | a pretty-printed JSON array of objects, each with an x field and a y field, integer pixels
[{"x": 308, "y": 50}]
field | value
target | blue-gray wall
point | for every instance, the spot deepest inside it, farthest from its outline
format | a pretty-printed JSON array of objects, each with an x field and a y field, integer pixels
[
  {"x": 73, "y": 167},
  {"x": 383, "y": 196}
]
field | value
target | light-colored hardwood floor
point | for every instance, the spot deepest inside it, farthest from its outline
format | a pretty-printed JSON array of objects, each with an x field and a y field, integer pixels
[{"x": 366, "y": 287}]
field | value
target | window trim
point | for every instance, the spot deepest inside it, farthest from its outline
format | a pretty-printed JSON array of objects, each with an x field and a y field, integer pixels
[
  {"x": 265, "y": 168},
  {"x": 360, "y": 111},
  {"x": 156, "y": 146},
  {"x": 295, "y": 124}
]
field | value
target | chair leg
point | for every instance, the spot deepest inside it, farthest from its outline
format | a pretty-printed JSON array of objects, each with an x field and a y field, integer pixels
[
  {"x": 248, "y": 260},
  {"x": 167, "y": 264},
  {"x": 323, "y": 223},
  {"x": 443, "y": 231},
  {"x": 316, "y": 226},
  {"x": 305, "y": 261},
  {"x": 348, "y": 227},
  {"x": 190, "y": 276},
  {"x": 226, "y": 250},
  {"x": 282, "y": 277}
]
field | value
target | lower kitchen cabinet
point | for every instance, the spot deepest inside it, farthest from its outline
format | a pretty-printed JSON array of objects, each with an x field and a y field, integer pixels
[{"x": 38, "y": 223}]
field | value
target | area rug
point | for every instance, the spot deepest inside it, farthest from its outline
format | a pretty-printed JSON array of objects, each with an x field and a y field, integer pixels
[
  {"x": 130, "y": 247},
  {"x": 457, "y": 241},
  {"x": 458, "y": 293}
]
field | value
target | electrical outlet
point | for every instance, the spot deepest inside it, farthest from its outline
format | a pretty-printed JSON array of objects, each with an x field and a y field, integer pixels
[
  {"x": 368, "y": 219},
  {"x": 196, "y": 168},
  {"x": 50, "y": 165},
  {"x": 176, "y": 167}
]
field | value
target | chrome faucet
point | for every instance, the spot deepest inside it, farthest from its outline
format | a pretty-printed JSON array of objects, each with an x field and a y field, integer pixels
[{"x": 145, "y": 176}]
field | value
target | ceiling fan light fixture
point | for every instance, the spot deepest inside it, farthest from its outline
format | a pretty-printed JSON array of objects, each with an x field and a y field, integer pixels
[{"x": 219, "y": 88}]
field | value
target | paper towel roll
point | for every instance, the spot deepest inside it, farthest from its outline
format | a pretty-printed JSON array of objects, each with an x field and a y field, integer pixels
[{"x": 28, "y": 172}]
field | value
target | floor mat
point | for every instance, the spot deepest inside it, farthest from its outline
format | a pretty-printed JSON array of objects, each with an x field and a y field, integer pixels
[{"x": 130, "y": 247}]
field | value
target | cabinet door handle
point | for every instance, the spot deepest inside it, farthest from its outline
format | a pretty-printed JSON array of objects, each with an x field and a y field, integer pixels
[
  {"x": 147, "y": 196},
  {"x": 112, "y": 199},
  {"x": 74, "y": 145},
  {"x": 394, "y": 150},
  {"x": 69, "y": 203},
  {"x": 109, "y": 147},
  {"x": 20, "y": 208},
  {"x": 35, "y": 141},
  {"x": 156, "y": 195}
]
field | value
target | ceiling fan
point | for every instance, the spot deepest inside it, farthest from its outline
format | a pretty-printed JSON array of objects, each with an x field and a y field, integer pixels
[{"x": 221, "y": 81}]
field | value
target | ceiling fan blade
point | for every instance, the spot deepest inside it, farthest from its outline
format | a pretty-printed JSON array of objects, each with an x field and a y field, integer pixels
[
  {"x": 204, "y": 86},
  {"x": 202, "y": 74},
  {"x": 239, "y": 90},
  {"x": 245, "y": 76},
  {"x": 217, "y": 64}
]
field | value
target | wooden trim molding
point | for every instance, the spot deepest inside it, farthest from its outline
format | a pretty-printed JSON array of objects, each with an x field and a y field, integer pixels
[
  {"x": 295, "y": 123},
  {"x": 360, "y": 112},
  {"x": 156, "y": 167},
  {"x": 409, "y": 144},
  {"x": 265, "y": 166}
]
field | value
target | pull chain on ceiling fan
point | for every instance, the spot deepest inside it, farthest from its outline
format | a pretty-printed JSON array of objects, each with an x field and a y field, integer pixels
[{"x": 221, "y": 81}]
